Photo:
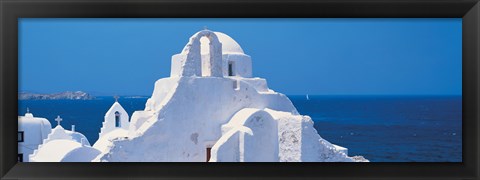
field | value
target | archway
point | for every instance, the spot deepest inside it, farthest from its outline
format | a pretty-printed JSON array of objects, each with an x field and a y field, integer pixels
[{"x": 193, "y": 63}]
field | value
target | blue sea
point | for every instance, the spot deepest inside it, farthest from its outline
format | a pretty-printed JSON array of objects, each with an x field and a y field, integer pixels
[{"x": 380, "y": 128}]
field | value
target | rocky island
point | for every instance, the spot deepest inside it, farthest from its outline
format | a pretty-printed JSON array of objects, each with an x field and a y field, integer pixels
[{"x": 68, "y": 95}]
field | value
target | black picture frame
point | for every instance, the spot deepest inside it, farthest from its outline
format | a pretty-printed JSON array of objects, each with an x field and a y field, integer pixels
[{"x": 468, "y": 10}]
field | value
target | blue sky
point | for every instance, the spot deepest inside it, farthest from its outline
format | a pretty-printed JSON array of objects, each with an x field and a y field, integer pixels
[{"x": 296, "y": 56}]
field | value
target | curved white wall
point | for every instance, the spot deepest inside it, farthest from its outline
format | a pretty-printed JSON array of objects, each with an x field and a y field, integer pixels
[
  {"x": 35, "y": 130},
  {"x": 256, "y": 133}
]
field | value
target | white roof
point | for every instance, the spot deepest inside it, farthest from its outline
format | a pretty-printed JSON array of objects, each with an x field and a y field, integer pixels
[
  {"x": 106, "y": 140},
  {"x": 60, "y": 133},
  {"x": 229, "y": 45},
  {"x": 55, "y": 150},
  {"x": 76, "y": 136},
  {"x": 35, "y": 127},
  {"x": 28, "y": 118},
  {"x": 62, "y": 150},
  {"x": 115, "y": 107}
]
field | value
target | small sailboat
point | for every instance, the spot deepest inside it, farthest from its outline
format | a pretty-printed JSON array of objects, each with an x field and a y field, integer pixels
[{"x": 307, "y": 97}]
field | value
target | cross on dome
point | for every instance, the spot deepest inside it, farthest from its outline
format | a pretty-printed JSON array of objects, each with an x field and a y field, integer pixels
[
  {"x": 28, "y": 110},
  {"x": 116, "y": 98},
  {"x": 58, "y": 119}
]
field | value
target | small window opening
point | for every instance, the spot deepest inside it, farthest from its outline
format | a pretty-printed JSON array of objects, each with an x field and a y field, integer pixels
[
  {"x": 20, "y": 136},
  {"x": 117, "y": 119},
  {"x": 230, "y": 68}
]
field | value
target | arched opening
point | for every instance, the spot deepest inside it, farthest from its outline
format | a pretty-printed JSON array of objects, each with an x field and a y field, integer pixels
[
  {"x": 117, "y": 119},
  {"x": 205, "y": 56},
  {"x": 208, "y": 63}
]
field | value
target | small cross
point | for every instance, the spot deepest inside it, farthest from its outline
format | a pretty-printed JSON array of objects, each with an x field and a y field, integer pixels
[
  {"x": 116, "y": 98},
  {"x": 205, "y": 28},
  {"x": 28, "y": 110},
  {"x": 58, "y": 119}
]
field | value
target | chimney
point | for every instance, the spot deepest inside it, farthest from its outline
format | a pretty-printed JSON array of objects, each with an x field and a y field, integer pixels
[
  {"x": 83, "y": 142},
  {"x": 73, "y": 128}
]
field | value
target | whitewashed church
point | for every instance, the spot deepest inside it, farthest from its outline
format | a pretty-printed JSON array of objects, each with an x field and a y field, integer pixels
[{"x": 210, "y": 109}]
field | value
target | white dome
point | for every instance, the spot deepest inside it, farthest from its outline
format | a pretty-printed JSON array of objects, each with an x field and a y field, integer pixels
[
  {"x": 76, "y": 136},
  {"x": 35, "y": 129},
  {"x": 54, "y": 151},
  {"x": 229, "y": 46},
  {"x": 62, "y": 150}
]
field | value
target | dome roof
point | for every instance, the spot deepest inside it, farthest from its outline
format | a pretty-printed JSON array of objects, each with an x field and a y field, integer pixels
[
  {"x": 29, "y": 119},
  {"x": 63, "y": 150},
  {"x": 35, "y": 127},
  {"x": 229, "y": 46},
  {"x": 76, "y": 136},
  {"x": 54, "y": 151}
]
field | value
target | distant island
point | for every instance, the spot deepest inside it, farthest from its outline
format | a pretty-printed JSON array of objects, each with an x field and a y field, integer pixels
[
  {"x": 135, "y": 97},
  {"x": 68, "y": 95}
]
